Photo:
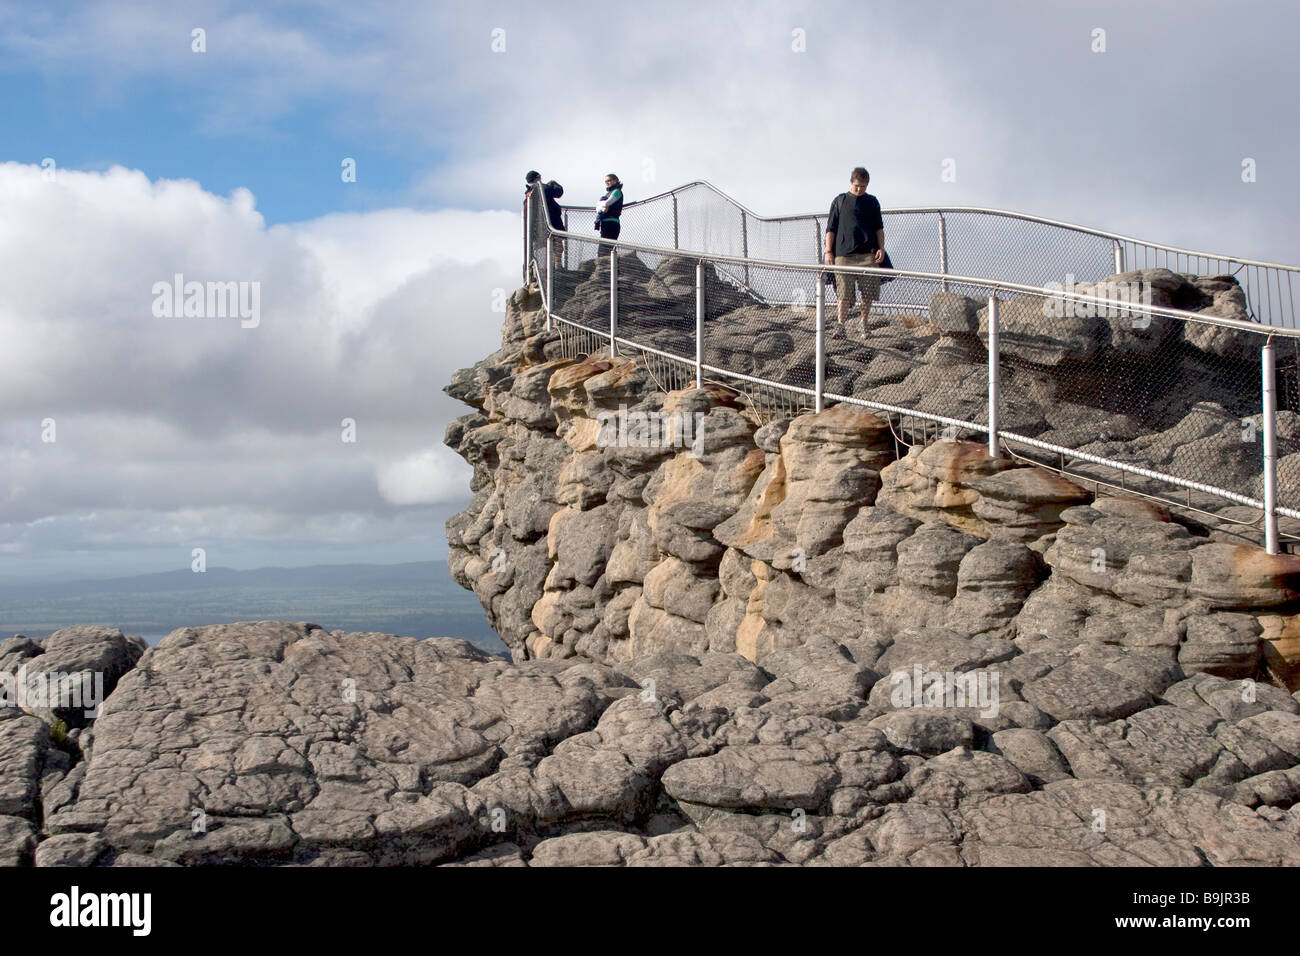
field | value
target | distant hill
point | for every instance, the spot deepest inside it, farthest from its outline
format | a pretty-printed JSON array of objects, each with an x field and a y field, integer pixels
[
  {"x": 416, "y": 599},
  {"x": 413, "y": 574}
]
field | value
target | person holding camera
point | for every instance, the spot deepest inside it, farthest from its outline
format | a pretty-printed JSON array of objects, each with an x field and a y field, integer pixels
[{"x": 608, "y": 210}]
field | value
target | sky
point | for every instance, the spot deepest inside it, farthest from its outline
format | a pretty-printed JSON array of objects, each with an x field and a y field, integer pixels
[{"x": 133, "y": 149}]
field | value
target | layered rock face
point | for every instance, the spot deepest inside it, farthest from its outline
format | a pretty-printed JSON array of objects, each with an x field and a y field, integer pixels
[{"x": 751, "y": 538}]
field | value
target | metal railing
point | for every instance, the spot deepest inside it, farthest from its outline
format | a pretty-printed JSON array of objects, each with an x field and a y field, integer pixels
[
  {"x": 995, "y": 244},
  {"x": 1090, "y": 381}
]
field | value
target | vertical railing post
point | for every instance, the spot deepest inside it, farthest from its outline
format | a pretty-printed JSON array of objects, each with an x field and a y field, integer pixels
[
  {"x": 817, "y": 228},
  {"x": 699, "y": 324},
  {"x": 744, "y": 245},
  {"x": 550, "y": 267},
  {"x": 528, "y": 235},
  {"x": 943, "y": 251},
  {"x": 564, "y": 250},
  {"x": 613, "y": 300},
  {"x": 676, "y": 244},
  {"x": 1119, "y": 257},
  {"x": 1270, "y": 449},
  {"x": 994, "y": 377},
  {"x": 819, "y": 375}
]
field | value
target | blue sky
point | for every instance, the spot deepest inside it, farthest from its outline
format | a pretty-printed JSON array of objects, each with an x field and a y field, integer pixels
[
  {"x": 1036, "y": 120},
  {"x": 293, "y": 168},
  {"x": 226, "y": 165}
]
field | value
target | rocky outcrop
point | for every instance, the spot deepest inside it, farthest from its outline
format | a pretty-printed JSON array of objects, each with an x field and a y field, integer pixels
[
  {"x": 286, "y": 744},
  {"x": 266, "y": 743},
  {"x": 51, "y": 694},
  {"x": 736, "y": 640},
  {"x": 755, "y": 536},
  {"x": 1114, "y": 635}
]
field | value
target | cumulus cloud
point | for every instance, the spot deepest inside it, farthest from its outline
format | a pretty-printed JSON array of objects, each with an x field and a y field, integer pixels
[
  {"x": 425, "y": 478},
  {"x": 198, "y": 427},
  {"x": 1140, "y": 139},
  {"x": 1144, "y": 139}
]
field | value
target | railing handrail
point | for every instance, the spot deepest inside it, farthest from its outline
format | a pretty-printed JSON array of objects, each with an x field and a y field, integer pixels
[
  {"x": 952, "y": 279},
  {"x": 940, "y": 210}
]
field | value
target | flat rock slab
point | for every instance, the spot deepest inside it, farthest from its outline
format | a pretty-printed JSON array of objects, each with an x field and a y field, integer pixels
[
  {"x": 23, "y": 742},
  {"x": 262, "y": 742},
  {"x": 1079, "y": 690},
  {"x": 925, "y": 732},
  {"x": 759, "y": 777},
  {"x": 17, "y": 840}
]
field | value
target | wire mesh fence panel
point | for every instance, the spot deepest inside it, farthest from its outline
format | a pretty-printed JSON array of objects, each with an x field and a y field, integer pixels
[
  {"x": 913, "y": 241},
  {"x": 657, "y": 305},
  {"x": 989, "y": 244},
  {"x": 795, "y": 239},
  {"x": 708, "y": 222},
  {"x": 1287, "y": 389},
  {"x": 927, "y": 358},
  {"x": 647, "y": 223},
  {"x": 1178, "y": 399},
  {"x": 538, "y": 227},
  {"x": 768, "y": 338},
  {"x": 780, "y": 333},
  {"x": 1027, "y": 252},
  {"x": 579, "y": 293}
]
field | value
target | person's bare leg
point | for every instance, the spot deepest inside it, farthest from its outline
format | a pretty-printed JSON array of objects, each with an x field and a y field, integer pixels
[
  {"x": 869, "y": 294},
  {"x": 841, "y": 304}
]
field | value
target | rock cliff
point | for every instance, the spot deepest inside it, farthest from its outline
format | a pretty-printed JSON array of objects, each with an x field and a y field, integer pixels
[
  {"x": 752, "y": 641},
  {"x": 760, "y": 535}
]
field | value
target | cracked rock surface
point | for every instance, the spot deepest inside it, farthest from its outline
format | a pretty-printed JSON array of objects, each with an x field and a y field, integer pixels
[{"x": 273, "y": 743}]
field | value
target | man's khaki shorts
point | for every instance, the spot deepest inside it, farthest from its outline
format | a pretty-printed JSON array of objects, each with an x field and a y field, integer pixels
[{"x": 868, "y": 286}]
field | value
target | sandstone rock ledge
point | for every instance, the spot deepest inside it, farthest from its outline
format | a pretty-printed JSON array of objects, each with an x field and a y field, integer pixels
[
  {"x": 772, "y": 532},
  {"x": 298, "y": 746}
]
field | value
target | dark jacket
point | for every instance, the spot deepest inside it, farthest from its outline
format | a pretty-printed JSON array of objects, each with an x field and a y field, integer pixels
[
  {"x": 551, "y": 191},
  {"x": 613, "y": 203}
]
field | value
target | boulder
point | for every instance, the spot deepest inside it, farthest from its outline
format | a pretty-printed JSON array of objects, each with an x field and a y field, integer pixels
[{"x": 925, "y": 732}]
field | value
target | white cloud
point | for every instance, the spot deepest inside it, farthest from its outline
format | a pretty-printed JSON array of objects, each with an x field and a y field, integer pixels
[
  {"x": 1142, "y": 139},
  {"x": 183, "y": 429},
  {"x": 428, "y": 477}
]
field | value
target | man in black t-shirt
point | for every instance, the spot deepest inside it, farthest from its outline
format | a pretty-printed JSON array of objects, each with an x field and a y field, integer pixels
[{"x": 855, "y": 236}]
